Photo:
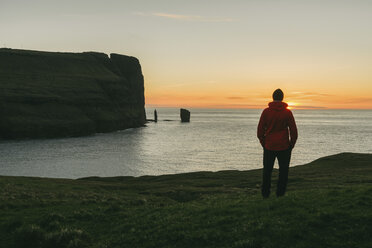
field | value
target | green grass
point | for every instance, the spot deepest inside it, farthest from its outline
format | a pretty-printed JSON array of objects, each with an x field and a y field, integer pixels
[
  {"x": 49, "y": 94},
  {"x": 328, "y": 204}
]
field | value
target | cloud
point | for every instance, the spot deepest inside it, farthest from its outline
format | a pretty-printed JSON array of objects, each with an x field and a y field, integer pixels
[
  {"x": 190, "y": 18},
  {"x": 359, "y": 100},
  {"x": 307, "y": 107},
  {"x": 305, "y": 95},
  {"x": 236, "y": 98},
  {"x": 251, "y": 106}
]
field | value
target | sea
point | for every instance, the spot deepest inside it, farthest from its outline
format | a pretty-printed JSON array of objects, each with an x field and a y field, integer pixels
[{"x": 213, "y": 140}]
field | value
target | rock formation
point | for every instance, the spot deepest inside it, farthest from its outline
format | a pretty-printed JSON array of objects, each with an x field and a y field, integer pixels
[
  {"x": 155, "y": 116},
  {"x": 185, "y": 115},
  {"x": 51, "y": 94}
]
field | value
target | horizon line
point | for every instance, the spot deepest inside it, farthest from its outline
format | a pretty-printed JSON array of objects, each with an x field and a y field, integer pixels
[{"x": 256, "y": 108}]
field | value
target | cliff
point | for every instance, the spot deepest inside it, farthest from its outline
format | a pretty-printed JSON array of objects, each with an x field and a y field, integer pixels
[{"x": 50, "y": 94}]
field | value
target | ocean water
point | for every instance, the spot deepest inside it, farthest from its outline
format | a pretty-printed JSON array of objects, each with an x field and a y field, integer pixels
[{"x": 214, "y": 140}]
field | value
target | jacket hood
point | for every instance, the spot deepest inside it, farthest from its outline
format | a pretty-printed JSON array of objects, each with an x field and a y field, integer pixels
[{"x": 278, "y": 106}]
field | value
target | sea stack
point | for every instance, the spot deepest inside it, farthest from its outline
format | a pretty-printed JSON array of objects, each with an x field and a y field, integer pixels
[{"x": 185, "y": 115}]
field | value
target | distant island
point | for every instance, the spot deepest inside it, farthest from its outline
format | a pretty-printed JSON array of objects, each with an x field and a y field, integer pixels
[{"x": 53, "y": 94}]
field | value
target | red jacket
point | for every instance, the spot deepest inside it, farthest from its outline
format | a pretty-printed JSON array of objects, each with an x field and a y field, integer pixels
[{"x": 277, "y": 129}]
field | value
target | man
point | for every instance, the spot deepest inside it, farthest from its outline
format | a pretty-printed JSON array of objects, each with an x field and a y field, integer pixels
[{"x": 277, "y": 133}]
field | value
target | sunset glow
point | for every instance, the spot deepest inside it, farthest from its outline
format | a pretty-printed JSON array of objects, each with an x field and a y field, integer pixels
[
  {"x": 292, "y": 105},
  {"x": 227, "y": 54}
]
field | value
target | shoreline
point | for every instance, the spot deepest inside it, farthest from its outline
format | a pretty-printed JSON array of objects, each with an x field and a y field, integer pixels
[{"x": 189, "y": 174}]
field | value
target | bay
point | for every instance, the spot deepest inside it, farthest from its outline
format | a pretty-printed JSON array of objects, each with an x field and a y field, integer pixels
[{"x": 215, "y": 139}]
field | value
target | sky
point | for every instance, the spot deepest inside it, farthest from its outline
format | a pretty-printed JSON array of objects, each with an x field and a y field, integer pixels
[{"x": 214, "y": 53}]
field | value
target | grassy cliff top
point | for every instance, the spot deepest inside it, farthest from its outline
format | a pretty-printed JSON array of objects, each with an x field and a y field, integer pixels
[{"x": 327, "y": 205}]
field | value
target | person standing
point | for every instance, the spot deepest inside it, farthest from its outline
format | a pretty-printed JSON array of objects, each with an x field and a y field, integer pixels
[{"x": 277, "y": 133}]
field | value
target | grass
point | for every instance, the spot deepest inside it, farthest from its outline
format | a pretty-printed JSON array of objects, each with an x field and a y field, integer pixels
[
  {"x": 327, "y": 205},
  {"x": 49, "y": 94}
]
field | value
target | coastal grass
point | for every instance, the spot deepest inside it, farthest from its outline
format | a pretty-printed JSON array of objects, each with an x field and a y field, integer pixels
[{"x": 328, "y": 204}]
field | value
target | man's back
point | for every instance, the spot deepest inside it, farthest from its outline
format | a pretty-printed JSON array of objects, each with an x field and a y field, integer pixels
[{"x": 273, "y": 127}]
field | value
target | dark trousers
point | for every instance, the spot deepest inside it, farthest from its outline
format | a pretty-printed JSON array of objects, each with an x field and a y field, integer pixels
[{"x": 284, "y": 158}]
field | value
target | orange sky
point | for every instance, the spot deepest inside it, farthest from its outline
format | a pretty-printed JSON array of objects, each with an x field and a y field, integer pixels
[
  {"x": 296, "y": 100},
  {"x": 329, "y": 88}
]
